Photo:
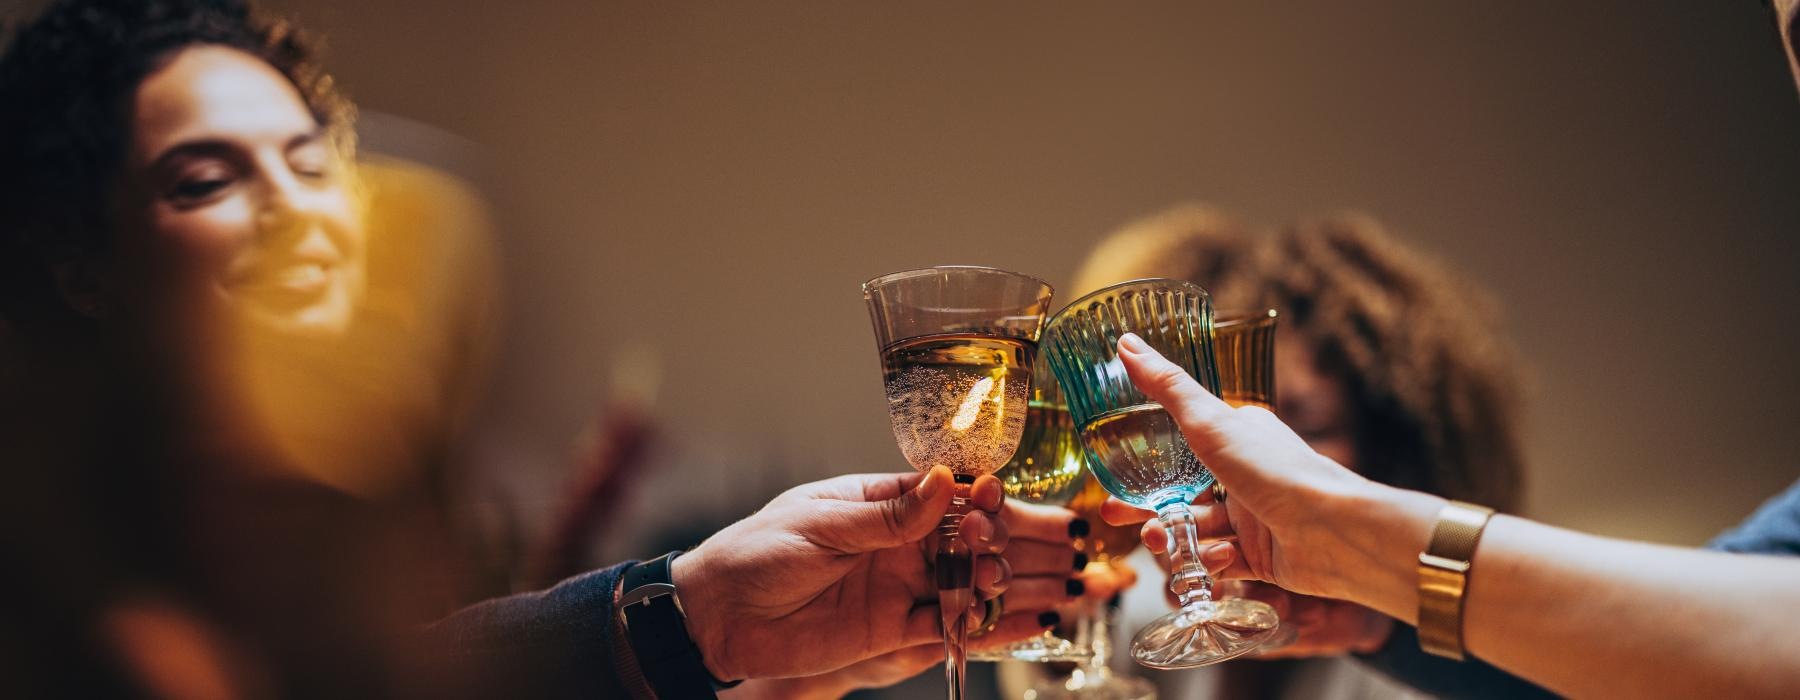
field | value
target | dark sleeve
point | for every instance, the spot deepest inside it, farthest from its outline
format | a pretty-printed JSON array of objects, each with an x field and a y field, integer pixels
[
  {"x": 556, "y": 643},
  {"x": 1772, "y": 529},
  {"x": 1402, "y": 660}
]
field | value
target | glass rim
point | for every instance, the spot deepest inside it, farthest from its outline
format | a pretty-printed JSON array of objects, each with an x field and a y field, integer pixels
[
  {"x": 892, "y": 277},
  {"x": 1235, "y": 317},
  {"x": 1141, "y": 281}
]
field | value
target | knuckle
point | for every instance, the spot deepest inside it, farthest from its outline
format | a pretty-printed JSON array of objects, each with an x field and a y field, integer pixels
[
  {"x": 1169, "y": 376},
  {"x": 893, "y": 517}
]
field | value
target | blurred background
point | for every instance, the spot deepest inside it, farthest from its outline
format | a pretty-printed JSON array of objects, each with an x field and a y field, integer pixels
[
  {"x": 681, "y": 200},
  {"x": 686, "y": 196},
  {"x": 695, "y": 191}
]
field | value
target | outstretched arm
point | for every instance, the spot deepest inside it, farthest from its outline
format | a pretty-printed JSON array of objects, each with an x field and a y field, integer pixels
[{"x": 1580, "y": 614}]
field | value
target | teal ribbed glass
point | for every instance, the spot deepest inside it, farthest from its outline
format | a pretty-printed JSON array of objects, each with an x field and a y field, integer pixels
[
  {"x": 1138, "y": 453},
  {"x": 1146, "y": 462}
]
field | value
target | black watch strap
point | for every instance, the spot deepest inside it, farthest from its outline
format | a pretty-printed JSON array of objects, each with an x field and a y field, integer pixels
[{"x": 654, "y": 622}]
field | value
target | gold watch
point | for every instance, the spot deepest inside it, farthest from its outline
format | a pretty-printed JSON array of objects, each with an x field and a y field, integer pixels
[{"x": 1444, "y": 577}]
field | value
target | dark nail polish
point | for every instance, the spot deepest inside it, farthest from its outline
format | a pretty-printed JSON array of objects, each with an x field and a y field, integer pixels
[
  {"x": 1049, "y": 618},
  {"x": 1078, "y": 528},
  {"x": 1080, "y": 560},
  {"x": 1075, "y": 587}
]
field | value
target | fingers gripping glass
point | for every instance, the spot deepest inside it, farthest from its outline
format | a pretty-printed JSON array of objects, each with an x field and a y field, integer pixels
[
  {"x": 1137, "y": 452},
  {"x": 957, "y": 345},
  {"x": 1049, "y": 468}
]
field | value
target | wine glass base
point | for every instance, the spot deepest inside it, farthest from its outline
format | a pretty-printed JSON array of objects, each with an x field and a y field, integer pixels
[
  {"x": 1205, "y": 633},
  {"x": 1284, "y": 635},
  {"x": 1044, "y": 648},
  {"x": 1091, "y": 687}
]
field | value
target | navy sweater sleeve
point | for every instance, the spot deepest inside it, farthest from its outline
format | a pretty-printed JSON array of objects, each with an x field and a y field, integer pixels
[
  {"x": 556, "y": 643},
  {"x": 1772, "y": 529}
]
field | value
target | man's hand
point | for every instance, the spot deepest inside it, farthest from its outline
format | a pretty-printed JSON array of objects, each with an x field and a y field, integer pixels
[{"x": 832, "y": 573}]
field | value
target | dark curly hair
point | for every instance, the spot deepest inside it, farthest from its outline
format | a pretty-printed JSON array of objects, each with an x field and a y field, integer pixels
[
  {"x": 1433, "y": 386},
  {"x": 67, "y": 80},
  {"x": 1433, "y": 383}
]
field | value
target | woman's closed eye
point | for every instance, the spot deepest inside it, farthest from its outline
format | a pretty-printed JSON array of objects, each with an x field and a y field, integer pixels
[
  {"x": 201, "y": 183},
  {"x": 198, "y": 188},
  {"x": 311, "y": 156}
]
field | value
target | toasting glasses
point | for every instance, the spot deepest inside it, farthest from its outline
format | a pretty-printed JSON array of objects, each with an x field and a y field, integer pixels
[
  {"x": 957, "y": 346},
  {"x": 1137, "y": 451}
]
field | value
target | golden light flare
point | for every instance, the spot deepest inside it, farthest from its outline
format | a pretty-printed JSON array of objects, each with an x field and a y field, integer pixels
[{"x": 971, "y": 405}]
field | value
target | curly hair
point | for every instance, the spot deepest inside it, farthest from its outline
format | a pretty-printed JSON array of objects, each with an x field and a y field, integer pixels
[
  {"x": 1433, "y": 387},
  {"x": 1188, "y": 241},
  {"x": 1433, "y": 383},
  {"x": 67, "y": 81}
]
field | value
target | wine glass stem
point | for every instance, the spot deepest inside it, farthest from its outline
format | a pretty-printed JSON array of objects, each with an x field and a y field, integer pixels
[
  {"x": 1187, "y": 579},
  {"x": 955, "y": 573},
  {"x": 1100, "y": 638}
]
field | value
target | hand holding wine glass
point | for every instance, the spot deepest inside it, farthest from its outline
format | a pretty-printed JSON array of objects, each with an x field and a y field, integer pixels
[
  {"x": 1275, "y": 481},
  {"x": 1138, "y": 452},
  {"x": 832, "y": 573},
  {"x": 957, "y": 345}
]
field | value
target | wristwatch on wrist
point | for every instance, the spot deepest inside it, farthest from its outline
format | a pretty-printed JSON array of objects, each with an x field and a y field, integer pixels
[
  {"x": 1444, "y": 577},
  {"x": 650, "y": 611}
]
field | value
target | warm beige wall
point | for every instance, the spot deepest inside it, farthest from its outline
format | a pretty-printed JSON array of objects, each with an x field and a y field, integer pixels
[{"x": 713, "y": 180}]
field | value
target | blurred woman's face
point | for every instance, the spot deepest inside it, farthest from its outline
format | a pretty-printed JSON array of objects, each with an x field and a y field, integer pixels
[
  {"x": 235, "y": 199},
  {"x": 1315, "y": 403}
]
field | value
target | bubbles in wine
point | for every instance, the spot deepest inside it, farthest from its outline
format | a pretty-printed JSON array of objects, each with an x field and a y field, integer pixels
[
  {"x": 958, "y": 400},
  {"x": 1143, "y": 459}
]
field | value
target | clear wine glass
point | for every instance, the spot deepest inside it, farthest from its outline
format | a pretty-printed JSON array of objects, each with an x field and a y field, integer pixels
[
  {"x": 1244, "y": 344},
  {"x": 1049, "y": 469},
  {"x": 1139, "y": 455},
  {"x": 957, "y": 346}
]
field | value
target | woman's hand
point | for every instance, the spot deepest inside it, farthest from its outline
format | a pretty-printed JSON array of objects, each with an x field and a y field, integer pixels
[{"x": 1283, "y": 518}]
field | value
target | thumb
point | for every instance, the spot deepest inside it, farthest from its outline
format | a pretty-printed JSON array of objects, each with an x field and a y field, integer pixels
[
  {"x": 871, "y": 525},
  {"x": 1200, "y": 414}
]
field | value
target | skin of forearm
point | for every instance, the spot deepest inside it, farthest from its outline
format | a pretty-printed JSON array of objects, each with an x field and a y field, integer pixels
[{"x": 1591, "y": 616}]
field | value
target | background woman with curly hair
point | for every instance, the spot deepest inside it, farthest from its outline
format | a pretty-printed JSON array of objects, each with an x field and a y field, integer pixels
[{"x": 1386, "y": 361}]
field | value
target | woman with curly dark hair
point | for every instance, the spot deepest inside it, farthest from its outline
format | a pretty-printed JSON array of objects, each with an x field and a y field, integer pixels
[
  {"x": 1386, "y": 361},
  {"x": 1430, "y": 385}
]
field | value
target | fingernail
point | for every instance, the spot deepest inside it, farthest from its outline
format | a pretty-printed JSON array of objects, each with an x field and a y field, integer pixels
[
  {"x": 984, "y": 531},
  {"x": 1132, "y": 343},
  {"x": 931, "y": 485},
  {"x": 1078, "y": 528},
  {"x": 1049, "y": 618},
  {"x": 1217, "y": 554},
  {"x": 1080, "y": 560},
  {"x": 1074, "y": 587}
]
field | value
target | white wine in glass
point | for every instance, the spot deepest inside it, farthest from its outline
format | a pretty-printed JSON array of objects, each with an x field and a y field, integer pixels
[{"x": 957, "y": 345}]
